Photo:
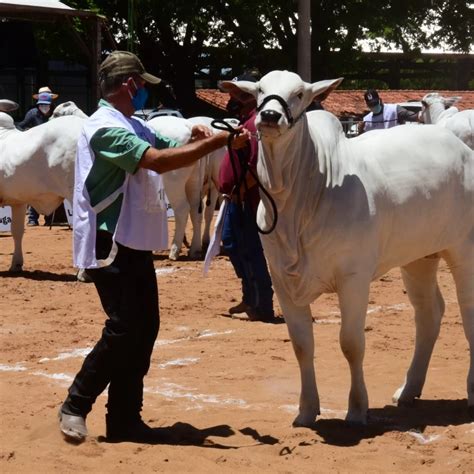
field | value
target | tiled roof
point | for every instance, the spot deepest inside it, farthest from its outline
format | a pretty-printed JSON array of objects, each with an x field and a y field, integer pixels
[{"x": 350, "y": 103}]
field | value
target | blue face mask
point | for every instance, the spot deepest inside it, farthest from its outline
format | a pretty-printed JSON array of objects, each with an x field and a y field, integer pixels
[
  {"x": 140, "y": 98},
  {"x": 376, "y": 109}
]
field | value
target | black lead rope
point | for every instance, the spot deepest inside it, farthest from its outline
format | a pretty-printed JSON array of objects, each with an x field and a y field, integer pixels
[{"x": 227, "y": 127}]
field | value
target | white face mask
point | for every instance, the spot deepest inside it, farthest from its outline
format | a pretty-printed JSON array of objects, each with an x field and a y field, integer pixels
[{"x": 44, "y": 108}]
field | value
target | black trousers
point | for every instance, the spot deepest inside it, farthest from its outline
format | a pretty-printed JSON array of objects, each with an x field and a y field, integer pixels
[{"x": 128, "y": 292}]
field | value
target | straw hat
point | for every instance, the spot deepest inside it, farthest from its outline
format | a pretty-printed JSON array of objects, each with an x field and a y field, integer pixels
[{"x": 45, "y": 90}]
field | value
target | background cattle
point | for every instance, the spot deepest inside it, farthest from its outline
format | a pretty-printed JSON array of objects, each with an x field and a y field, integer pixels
[
  {"x": 37, "y": 168},
  {"x": 68, "y": 108},
  {"x": 191, "y": 191},
  {"x": 440, "y": 110},
  {"x": 348, "y": 211}
]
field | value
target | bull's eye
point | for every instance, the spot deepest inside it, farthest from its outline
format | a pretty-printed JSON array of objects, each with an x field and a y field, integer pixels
[{"x": 300, "y": 95}]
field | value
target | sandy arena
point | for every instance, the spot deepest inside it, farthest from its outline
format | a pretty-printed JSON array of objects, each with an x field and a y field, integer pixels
[{"x": 222, "y": 392}]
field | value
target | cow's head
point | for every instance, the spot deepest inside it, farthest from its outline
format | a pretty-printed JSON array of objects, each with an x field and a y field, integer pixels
[
  {"x": 282, "y": 98},
  {"x": 67, "y": 108},
  {"x": 433, "y": 104}
]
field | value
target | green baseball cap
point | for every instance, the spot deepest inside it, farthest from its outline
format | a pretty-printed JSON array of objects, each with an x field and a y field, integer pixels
[{"x": 120, "y": 63}]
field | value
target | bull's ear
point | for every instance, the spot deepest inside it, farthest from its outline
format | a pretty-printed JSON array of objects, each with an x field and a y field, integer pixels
[
  {"x": 450, "y": 101},
  {"x": 245, "y": 86},
  {"x": 7, "y": 105},
  {"x": 322, "y": 89}
]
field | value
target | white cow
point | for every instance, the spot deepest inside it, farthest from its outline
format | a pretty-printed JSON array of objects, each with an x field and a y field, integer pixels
[
  {"x": 349, "y": 210},
  {"x": 187, "y": 188},
  {"x": 36, "y": 167},
  {"x": 68, "y": 108},
  {"x": 439, "y": 110}
]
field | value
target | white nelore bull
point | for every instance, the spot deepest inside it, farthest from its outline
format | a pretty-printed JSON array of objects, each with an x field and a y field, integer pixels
[
  {"x": 349, "y": 210},
  {"x": 37, "y": 168},
  {"x": 68, "y": 108},
  {"x": 187, "y": 187},
  {"x": 439, "y": 110}
]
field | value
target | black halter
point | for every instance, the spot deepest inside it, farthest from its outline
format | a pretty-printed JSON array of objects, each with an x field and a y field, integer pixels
[
  {"x": 286, "y": 108},
  {"x": 223, "y": 125}
]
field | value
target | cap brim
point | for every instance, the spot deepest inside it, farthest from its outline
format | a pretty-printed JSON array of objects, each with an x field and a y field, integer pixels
[
  {"x": 150, "y": 78},
  {"x": 53, "y": 96}
]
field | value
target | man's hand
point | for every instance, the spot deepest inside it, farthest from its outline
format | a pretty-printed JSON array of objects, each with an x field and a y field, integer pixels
[
  {"x": 199, "y": 132},
  {"x": 241, "y": 140}
]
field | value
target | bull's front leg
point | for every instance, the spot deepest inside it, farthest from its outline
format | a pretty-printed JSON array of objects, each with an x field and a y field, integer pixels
[
  {"x": 353, "y": 294},
  {"x": 193, "y": 193},
  {"x": 18, "y": 229},
  {"x": 181, "y": 212},
  {"x": 300, "y": 329}
]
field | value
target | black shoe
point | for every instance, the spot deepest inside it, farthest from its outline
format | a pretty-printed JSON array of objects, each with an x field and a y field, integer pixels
[
  {"x": 240, "y": 308},
  {"x": 264, "y": 317},
  {"x": 136, "y": 432}
]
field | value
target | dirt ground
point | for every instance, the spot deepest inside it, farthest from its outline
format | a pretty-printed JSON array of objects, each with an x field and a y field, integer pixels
[{"x": 223, "y": 392}]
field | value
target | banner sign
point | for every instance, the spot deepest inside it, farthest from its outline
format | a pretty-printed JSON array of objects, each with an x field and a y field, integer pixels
[{"x": 5, "y": 218}]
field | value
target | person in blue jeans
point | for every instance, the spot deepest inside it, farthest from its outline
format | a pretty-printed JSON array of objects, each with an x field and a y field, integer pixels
[
  {"x": 240, "y": 237},
  {"x": 38, "y": 115}
]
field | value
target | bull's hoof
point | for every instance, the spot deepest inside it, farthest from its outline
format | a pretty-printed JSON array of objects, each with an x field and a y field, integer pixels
[
  {"x": 174, "y": 253},
  {"x": 196, "y": 255},
  {"x": 356, "y": 418},
  {"x": 83, "y": 277},
  {"x": 403, "y": 398},
  {"x": 305, "y": 421},
  {"x": 470, "y": 411},
  {"x": 16, "y": 268}
]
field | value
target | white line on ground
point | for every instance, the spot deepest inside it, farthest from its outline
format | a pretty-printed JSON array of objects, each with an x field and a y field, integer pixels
[
  {"x": 165, "y": 271},
  {"x": 179, "y": 362},
  {"x": 423, "y": 439},
  {"x": 81, "y": 352},
  {"x": 12, "y": 368},
  {"x": 171, "y": 390}
]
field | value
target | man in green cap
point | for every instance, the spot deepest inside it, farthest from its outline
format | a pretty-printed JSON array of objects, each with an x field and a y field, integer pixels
[{"x": 119, "y": 219}]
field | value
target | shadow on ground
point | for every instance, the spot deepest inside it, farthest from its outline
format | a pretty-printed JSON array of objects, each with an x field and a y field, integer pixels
[
  {"x": 184, "y": 434},
  {"x": 392, "y": 418},
  {"x": 39, "y": 275}
]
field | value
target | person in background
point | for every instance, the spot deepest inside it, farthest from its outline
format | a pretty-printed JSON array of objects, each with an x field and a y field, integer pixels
[
  {"x": 240, "y": 237},
  {"x": 39, "y": 114},
  {"x": 119, "y": 217},
  {"x": 383, "y": 115}
]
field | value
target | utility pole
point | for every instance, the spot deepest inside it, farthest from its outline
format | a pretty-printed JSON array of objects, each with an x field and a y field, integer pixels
[
  {"x": 131, "y": 26},
  {"x": 304, "y": 39}
]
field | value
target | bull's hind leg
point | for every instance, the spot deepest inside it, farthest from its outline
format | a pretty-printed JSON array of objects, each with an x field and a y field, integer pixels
[
  {"x": 300, "y": 328},
  {"x": 423, "y": 291},
  {"x": 461, "y": 263},
  {"x": 18, "y": 229},
  {"x": 181, "y": 212}
]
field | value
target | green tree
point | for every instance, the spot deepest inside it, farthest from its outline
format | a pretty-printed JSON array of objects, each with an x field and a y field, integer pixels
[{"x": 178, "y": 38}]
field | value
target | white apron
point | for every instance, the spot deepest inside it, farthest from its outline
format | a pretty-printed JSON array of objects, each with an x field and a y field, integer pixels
[
  {"x": 142, "y": 223},
  {"x": 387, "y": 119}
]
